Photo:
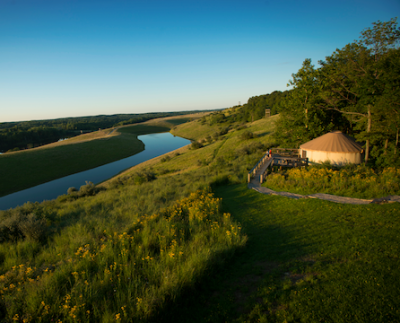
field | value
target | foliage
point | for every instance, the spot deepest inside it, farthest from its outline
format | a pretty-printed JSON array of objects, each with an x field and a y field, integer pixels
[
  {"x": 352, "y": 181},
  {"x": 196, "y": 145},
  {"x": 71, "y": 190},
  {"x": 246, "y": 135},
  {"x": 355, "y": 90},
  {"x": 123, "y": 276},
  {"x": 300, "y": 119},
  {"x": 22, "y": 223},
  {"x": 256, "y": 105}
]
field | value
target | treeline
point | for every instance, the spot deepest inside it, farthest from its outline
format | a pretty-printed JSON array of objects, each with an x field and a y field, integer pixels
[
  {"x": 256, "y": 105},
  {"x": 355, "y": 90},
  {"x": 253, "y": 110},
  {"x": 28, "y": 134}
]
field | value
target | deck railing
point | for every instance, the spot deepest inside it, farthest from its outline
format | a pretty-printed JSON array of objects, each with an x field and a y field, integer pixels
[
  {"x": 290, "y": 161},
  {"x": 284, "y": 162},
  {"x": 256, "y": 168}
]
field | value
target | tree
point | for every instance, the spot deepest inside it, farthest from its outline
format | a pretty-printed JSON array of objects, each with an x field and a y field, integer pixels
[
  {"x": 358, "y": 81},
  {"x": 301, "y": 119}
]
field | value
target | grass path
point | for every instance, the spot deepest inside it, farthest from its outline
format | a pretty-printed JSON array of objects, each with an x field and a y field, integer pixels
[
  {"x": 305, "y": 261},
  {"x": 255, "y": 185}
]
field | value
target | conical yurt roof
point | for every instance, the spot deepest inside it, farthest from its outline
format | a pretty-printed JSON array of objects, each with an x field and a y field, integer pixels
[{"x": 334, "y": 141}]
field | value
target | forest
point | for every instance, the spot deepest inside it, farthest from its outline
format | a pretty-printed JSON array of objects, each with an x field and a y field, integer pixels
[
  {"x": 355, "y": 90},
  {"x": 28, "y": 134}
]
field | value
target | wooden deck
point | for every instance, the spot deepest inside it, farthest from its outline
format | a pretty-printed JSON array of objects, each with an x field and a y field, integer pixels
[{"x": 280, "y": 157}]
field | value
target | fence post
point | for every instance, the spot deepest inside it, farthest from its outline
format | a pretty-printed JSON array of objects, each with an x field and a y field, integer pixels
[{"x": 248, "y": 178}]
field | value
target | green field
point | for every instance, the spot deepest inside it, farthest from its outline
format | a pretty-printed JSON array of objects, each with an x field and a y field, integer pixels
[{"x": 180, "y": 238}]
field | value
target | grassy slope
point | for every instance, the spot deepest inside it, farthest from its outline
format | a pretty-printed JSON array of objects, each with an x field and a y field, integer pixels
[
  {"x": 312, "y": 260},
  {"x": 24, "y": 169},
  {"x": 184, "y": 160},
  {"x": 305, "y": 260}
]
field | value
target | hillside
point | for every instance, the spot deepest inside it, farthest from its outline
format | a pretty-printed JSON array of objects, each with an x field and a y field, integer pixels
[{"x": 180, "y": 238}]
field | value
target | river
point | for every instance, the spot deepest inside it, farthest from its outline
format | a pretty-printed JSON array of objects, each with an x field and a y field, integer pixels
[{"x": 155, "y": 145}]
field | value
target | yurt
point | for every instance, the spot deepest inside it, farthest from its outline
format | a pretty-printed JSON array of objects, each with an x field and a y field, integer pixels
[{"x": 335, "y": 147}]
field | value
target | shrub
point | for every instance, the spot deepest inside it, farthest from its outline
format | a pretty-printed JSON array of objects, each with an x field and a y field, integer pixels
[
  {"x": 165, "y": 159},
  {"x": 246, "y": 135},
  {"x": 72, "y": 190},
  {"x": 195, "y": 145},
  {"x": 33, "y": 228},
  {"x": 143, "y": 177},
  {"x": 15, "y": 224},
  {"x": 9, "y": 225},
  {"x": 88, "y": 190},
  {"x": 241, "y": 126}
]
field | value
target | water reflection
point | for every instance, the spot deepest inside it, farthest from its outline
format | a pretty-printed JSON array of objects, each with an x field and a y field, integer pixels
[{"x": 155, "y": 145}]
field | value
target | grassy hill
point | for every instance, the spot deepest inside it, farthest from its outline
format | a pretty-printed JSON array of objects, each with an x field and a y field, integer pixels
[{"x": 180, "y": 238}]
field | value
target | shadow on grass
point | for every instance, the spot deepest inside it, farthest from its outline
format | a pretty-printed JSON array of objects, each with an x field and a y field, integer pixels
[{"x": 228, "y": 290}]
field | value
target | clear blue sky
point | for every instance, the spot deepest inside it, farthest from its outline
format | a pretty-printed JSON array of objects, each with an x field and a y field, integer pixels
[{"x": 62, "y": 58}]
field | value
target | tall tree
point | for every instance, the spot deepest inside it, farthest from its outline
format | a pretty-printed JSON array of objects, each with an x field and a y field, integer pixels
[
  {"x": 354, "y": 79},
  {"x": 300, "y": 119}
]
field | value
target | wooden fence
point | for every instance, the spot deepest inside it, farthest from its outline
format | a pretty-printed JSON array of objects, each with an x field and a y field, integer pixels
[
  {"x": 284, "y": 162},
  {"x": 289, "y": 161},
  {"x": 286, "y": 152},
  {"x": 257, "y": 167}
]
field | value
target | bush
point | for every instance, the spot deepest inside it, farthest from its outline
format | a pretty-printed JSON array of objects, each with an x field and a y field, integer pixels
[
  {"x": 9, "y": 226},
  {"x": 14, "y": 225},
  {"x": 143, "y": 177},
  {"x": 246, "y": 135},
  {"x": 33, "y": 228},
  {"x": 250, "y": 149},
  {"x": 72, "y": 190},
  {"x": 87, "y": 190},
  {"x": 195, "y": 145},
  {"x": 165, "y": 159},
  {"x": 241, "y": 126}
]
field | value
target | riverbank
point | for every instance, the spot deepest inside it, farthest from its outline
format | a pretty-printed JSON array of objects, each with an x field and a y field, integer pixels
[
  {"x": 156, "y": 144},
  {"x": 28, "y": 168}
]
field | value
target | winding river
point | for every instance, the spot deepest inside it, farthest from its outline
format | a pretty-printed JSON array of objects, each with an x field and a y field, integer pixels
[{"x": 155, "y": 145}]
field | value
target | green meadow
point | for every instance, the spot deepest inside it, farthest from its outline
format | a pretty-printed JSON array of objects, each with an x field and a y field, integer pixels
[{"x": 180, "y": 238}]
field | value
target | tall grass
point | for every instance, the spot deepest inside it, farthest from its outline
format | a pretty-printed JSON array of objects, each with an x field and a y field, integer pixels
[
  {"x": 91, "y": 273},
  {"x": 353, "y": 181}
]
